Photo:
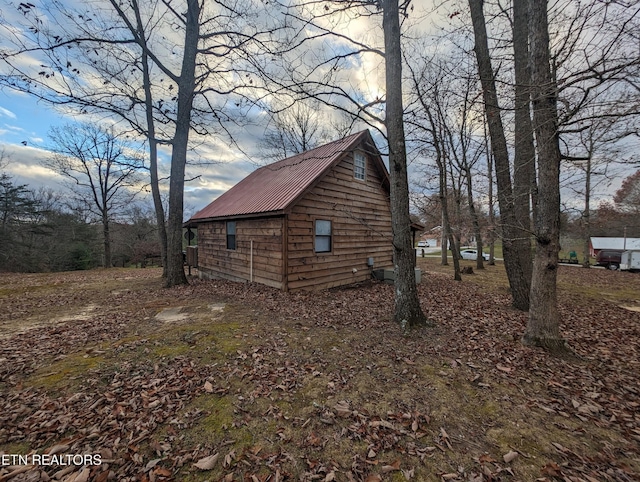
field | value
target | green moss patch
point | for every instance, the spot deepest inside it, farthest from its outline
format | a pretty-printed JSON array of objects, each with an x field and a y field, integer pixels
[{"x": 66, "y": 372}]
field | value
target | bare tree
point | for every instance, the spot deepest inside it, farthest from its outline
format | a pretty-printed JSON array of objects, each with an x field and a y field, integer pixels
[
  {"x": 293, "y": 129},
  {"x": 490, "y": 198},
  {"x": 513, "y": 242},
  {"x": 627, "y": 198},
  {"x": 466, "y": 152},
  {"x": 543, "y": 325},
  {"x": 161, "y": 70},
  {"x": 407, "y": 304},
  {"x": 427, "y": 117},
  {"x": 524, "y": 159},
  {"x": 103, "y": 172},
  {"x": 593, "y": 157}
]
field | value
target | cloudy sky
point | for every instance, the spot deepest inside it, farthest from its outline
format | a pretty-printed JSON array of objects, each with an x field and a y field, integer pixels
[
  {"x": 218, "y": 164},
  {"x": 24, "y": 128}
]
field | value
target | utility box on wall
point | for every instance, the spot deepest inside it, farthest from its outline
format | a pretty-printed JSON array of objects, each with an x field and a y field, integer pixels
[{"x": 192, "y": 256}]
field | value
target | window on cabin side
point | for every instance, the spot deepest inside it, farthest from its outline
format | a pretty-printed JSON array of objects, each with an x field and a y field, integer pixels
[
  {"x": 322, "y": 243},
  {"x": 231, "y": 235},
  {"x": 359, "y": 166}
]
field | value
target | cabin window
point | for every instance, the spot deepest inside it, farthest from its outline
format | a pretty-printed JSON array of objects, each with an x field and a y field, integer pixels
[
  {"x": 322, "y": 236},
  {"x": 231, "y": 235},
  {"x": 359, "y": 166}
]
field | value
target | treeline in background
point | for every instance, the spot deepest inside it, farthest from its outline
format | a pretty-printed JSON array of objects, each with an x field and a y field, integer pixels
[{"x": 42, "y": 231}]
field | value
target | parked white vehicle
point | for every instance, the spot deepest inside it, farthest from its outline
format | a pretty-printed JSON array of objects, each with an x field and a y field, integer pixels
[
  {"x": 472, "y": 254},
  {"x": 630, "y": 260}
]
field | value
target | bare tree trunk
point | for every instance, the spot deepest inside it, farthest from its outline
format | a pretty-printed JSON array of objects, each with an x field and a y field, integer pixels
[
  {"x": 492, "y": 216},
  {"x": 455, "y": 256},
  {"x": 524, "y": 155},
  {"x": 543, "y": 326},
  {"x": 586, "y": 215},
  {"x": 407, "y": 305},
  {"x": 457, "y": 199},
  {"x": 157, "y": 202},
  {"x": 186, "y": 89},
  {"x": 446, "y": 224},
  {"x": 474, "y": 216},
  {"x": 107, "y": 239},
  {"x": 511, "y": 243},
  {"x": 444, "y": 240},
  {"x": 153, "y": 143}
]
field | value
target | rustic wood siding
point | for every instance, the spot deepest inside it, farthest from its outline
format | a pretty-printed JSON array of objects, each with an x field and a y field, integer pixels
[
  {"x": 216, "y": 261},
  {"x": 361, "y": 228}
]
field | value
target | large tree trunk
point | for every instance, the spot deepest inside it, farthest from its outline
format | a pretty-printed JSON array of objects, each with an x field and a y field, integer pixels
[
  {"x": 444, "y": 237},
  {"x": 157, "y": 202},
  {"x": 186, "y": 88},
  {"x": 524, "y": 155},
  {"x": 511, "y": 242},
  {"x": 153, "y": 145},
  {"x": 407, "y": 305},
  {"x": 543, "y": 326}
]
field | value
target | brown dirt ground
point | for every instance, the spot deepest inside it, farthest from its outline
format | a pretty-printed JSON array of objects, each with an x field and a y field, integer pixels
[{"x": 249, "y": 383}]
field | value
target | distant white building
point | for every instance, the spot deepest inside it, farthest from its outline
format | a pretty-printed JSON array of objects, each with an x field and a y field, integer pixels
[{"x": 620, "y": 244}]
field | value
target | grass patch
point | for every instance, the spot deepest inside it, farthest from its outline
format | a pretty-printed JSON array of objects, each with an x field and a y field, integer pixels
[
  {"x": 20, "y": 448},
  {"x": 67, "y": 372},
  {"x": 216, "y": 421},
  {"x": 591, "y": 283},
  {"x": 615, "y": 286},
  {"x": 493, "y": 278}
]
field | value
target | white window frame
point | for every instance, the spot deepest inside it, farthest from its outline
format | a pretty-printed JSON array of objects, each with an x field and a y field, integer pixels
[
  {"x": 359, "y": 166},
  {"x": 323, "y": 237},
  {"x": 231, "y": 236}
]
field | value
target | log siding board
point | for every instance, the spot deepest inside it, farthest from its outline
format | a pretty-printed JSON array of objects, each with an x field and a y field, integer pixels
[
  {"x": 285, "y": 254},
  {"x": 361, "y": 228},
  {"x": 218, "y": 262}
]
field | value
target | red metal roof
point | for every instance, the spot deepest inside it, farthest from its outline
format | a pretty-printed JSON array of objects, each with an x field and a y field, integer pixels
[{"x": 273, "y": 188}]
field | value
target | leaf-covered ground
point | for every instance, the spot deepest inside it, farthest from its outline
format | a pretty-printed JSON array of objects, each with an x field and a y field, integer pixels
[{"x": 228, "y": 381}]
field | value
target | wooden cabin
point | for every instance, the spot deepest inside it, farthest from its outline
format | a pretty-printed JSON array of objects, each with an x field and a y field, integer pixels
[{"x": 312, "y": 221}]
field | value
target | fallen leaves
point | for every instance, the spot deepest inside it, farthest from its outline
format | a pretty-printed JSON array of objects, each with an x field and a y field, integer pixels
[
  {"x": 373, "y": 478},
  {"x": 325, "y": 388},
  {"x": 509, "y": 456},
  {"x": 208, "y": 387},
  {"x": 342, "y": 409},
  {"x": 207, "y": 463},
  {"x": 392, "y": 467}
]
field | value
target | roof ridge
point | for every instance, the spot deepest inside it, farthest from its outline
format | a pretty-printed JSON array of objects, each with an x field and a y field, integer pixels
[
  {"x": 305, "y": 155},
  {"x": 272, "y": 188}
]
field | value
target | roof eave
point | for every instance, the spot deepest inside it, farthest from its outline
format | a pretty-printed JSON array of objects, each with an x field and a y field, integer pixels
[{"x": 267, "y": 214}]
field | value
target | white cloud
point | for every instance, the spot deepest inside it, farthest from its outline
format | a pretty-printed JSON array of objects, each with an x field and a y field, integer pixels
[
  {"x": 23, "y": 164},
  {"x": 13, "y": 129},
  {"x": 6, "y": 113}
]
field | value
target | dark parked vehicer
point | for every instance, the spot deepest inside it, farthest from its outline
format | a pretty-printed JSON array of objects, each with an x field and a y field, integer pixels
[{"x": 609, "y": 258}]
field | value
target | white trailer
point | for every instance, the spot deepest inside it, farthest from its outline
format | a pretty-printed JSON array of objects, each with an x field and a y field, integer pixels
[{"x": 630, "y": 260}]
